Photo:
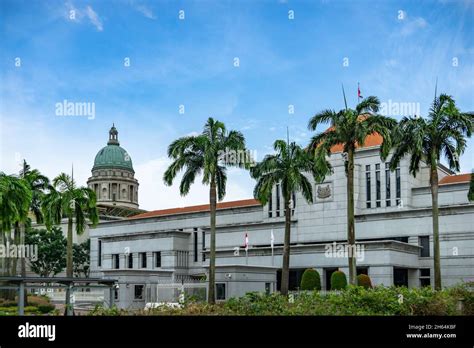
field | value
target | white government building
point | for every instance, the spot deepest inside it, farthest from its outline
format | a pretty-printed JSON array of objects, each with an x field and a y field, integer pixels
[{"x": 149, "y": 250}]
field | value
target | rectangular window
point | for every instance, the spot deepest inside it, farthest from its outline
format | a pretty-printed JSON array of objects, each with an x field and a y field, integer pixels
[
  {"x": 116, "y": 260},
  {"x": 278, "y": 200},
  {"x": 220, "y": 291},
  {"x": 99, "y": 260},
  {"x": 424, "y": 242},
  {"x": 158, "y": 259},
  {"x": 139, "y": 292},
  {"x": 130, "y": 260},
  {"x": 388, "y": 202},
  {"x": 203, "y": 246},
  {"x": 425, "y": 279},
  {"x": 195, "y": 245},
  {"x": 367, "y": 185},
  {"x": 378, "y": 184},
  {"x": 398, "y": 184},
  {"x": 267, "y": 288},
  {"x": 143, "y": 259}
]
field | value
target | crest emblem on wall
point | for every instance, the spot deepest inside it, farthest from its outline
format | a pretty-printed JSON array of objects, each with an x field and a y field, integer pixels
[{"x": 324, "y": 192}]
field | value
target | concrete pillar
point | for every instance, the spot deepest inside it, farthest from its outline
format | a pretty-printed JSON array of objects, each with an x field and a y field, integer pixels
[
  {"x": 21, "y": 299},
  {"x": 112, "y": 296},
  {"x": 69, "y": 305}
]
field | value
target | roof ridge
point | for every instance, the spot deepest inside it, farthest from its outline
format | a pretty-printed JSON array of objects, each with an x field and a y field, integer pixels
[{"x": 197, "y": 208}]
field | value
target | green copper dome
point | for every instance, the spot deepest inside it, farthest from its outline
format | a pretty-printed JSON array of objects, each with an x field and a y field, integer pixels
[{"x": 113, "y": 156}]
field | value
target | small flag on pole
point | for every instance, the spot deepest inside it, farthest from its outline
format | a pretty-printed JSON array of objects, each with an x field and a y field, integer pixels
[
  {"x": 359, "y": 95},
  {"x": 272, "y": 239},
  {"x": 246, "y": 242}
]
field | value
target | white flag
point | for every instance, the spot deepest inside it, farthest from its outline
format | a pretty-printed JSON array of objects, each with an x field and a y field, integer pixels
[
  {"x": 272, "y": 238},
  {"x": 246, "y": 242}
]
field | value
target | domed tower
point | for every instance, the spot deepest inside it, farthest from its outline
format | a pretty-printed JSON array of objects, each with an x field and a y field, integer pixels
[{"x": 112, "y": 177}]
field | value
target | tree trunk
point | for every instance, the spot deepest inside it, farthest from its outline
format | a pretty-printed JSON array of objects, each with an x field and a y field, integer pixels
[
  {"x": 16, "y": 242},
  {"x": 285, "y": 270},
  {"x": 350, "y": 217},
  {"x": 212, "y": 260},
  {"x": 69, "y": 248},
  {"x": 22, "y": 241},
  {"x": 23, "y": 259},
  {"x": 435, "y": 215}
]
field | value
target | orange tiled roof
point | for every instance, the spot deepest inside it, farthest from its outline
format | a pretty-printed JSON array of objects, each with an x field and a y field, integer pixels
[
  {"x": 454, "y": 179},
  {"x": 374, "y": 139},
  {"x": 197, "y": 208}
]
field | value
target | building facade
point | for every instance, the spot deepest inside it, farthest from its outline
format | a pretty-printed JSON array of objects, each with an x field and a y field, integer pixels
[{"x": 393, "y": 232}]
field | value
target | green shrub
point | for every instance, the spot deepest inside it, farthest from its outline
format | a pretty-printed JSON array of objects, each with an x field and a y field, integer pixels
[
  {"x": 364, "y": 281},
  {"x": 9, "y": 303},
  {"x": 310, "y": 280},
  {"x": 46, "y": 308},
  {"x": 338, "y": 280},
  {"x": 31, "y": 309}
]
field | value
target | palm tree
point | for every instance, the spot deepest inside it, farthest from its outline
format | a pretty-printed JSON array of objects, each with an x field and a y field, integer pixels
[
  {"x": 15, "y": 198},
  {"x": 443, "y": 133},
  {"x": 37, "y": 183},
  {"x": 206, "y": 154},
  {"x": 287, "y": 167},
  {"x": 77, "y": 204},
  {"x": 350, "y": 128}
]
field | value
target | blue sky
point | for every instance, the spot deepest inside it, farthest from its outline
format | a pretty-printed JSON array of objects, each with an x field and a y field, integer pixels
[{"x": 395, "y": 49}]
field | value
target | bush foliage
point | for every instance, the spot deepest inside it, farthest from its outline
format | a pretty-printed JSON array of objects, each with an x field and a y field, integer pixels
[
  {"x": 310, "y": 280},
  {"x": 354, "y": 300},
  {"x": 364, "y": 281},
  {"x": 338, "y": 280}
]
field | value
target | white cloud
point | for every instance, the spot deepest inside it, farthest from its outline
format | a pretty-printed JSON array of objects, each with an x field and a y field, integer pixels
[
  {"x": 154, "y": 194},
  {"x": 75, "y": 14},
  {"x": 148, "y": 13},
  {"x": 94, "y": 18},
  {"x": 410, "y": 26},
  {"x": 390, "y": 63}
]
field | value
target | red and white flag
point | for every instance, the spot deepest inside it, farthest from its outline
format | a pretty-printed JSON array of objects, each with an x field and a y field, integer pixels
[
  {"x": 246, "y": 241},
  {"x": 359, "y": 95}
]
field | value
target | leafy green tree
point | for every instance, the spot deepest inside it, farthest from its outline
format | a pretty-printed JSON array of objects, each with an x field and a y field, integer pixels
[
  {"x": 51, "y": 258},
  {"x": 350, "y": 128},
  {"x": 81, "y": 259},
  {"x": 15, "y": 198},
  {"x": 289, "y": 167},
  {"x": 77, "y": 204},
  {"x": 37, "y": 183},
  {"x": 205, "y": 154},
  {"x": 442, "y": 134}
]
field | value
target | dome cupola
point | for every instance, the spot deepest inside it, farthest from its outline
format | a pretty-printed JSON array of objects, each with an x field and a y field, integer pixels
[{"x": 113, "y": 156}]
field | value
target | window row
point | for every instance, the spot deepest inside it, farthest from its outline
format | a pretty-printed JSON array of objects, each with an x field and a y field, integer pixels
[
  {"x": 276, "y": 205},
  {"x": 129, "y": 260},
  {"x": 379, "y": 190}
]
